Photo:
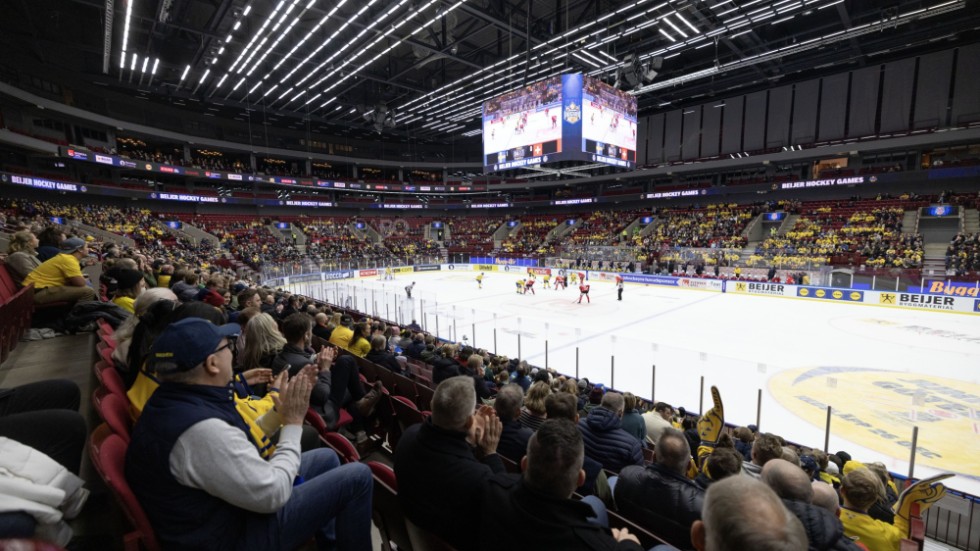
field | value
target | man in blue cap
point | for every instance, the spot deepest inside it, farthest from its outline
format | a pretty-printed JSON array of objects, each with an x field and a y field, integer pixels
[{"x": 199, "y": 476}]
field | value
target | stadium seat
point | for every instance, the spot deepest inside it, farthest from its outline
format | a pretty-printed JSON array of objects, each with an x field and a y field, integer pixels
[
  {"x": 425, "y": 393},
  {"x": 423, "y": 540},
  {"x": 114, "y": 410},
  {"x": 111, "y": 380},
  {"x": 343, "y": 447},
  {"x": 405, "y": 412},
  {"x": 387, "y": 511},
  {"x": 108, "y": 453}
]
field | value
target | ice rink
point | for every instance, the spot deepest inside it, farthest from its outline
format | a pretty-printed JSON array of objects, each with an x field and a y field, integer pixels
[{"x": 882, "y": 370}]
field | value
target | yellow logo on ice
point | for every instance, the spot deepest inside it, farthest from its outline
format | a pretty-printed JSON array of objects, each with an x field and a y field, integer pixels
[{"x": 891, "y": 403}]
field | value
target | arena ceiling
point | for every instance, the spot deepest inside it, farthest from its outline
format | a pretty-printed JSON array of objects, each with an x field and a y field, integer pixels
[{"x": 422, "y": 68}]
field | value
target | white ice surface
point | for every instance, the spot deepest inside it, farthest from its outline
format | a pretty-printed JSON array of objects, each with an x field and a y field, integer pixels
[{"x": 735, "y": 342}]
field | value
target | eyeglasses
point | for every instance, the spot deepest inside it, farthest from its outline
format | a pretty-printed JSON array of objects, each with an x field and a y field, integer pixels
[{"x": 229, "y": 345}]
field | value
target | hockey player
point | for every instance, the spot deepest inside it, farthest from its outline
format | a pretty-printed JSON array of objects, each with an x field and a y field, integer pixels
[
  {"x": 479, "y": 280},
  {"x": 583, "y": 290},
  {"x": 529, "y": 286},
  {"x": 520, "y": 286},
  {"x": 574, "y": 276},
  {"x": 408, "y": 289},
  {"x": 547, "y": 281}
]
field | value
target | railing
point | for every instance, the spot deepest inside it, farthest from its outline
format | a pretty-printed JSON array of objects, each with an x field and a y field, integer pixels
[
  {"x": 648, "y": 368},
  {"x": 308, "y": 266}
]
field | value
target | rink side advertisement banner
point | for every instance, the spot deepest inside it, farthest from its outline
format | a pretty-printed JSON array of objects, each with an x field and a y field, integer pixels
[
  {"x": 760, "y": 288},
  {"x": 826, "y": 293},
  {"x": 715, "y": 285},
  {"x": 916, "y": 301}
]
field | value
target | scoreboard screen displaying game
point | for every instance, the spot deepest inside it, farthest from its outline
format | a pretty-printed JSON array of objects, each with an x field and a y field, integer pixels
[{"x": 567, "y": 117}]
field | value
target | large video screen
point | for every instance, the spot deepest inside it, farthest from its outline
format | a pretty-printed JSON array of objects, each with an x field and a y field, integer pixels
[
  {"x": 567, "y": 117},
  {"x": 523, "y": 127},
  {"x": 608, "y": 123}
]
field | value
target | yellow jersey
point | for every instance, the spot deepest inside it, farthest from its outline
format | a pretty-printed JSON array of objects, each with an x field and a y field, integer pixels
[{"x": 54, "y": 272}]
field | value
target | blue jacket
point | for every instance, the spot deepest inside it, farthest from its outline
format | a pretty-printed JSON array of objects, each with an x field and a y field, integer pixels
[
  {"x": 607, "y": 443},
  {"x": 182, "y": 517}
]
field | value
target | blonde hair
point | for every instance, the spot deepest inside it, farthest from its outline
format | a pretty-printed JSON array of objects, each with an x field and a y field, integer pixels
[
  {"x": 534, "y": 400},
  {"x": 262, "y": 337},
  {"x": 21, "y": 241}
]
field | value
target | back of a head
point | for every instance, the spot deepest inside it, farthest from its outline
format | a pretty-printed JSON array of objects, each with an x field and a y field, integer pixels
[
  {"x": 561, "y": 405},
  {"x": 722, "y": 463},
  {"x": 453, "y": 403},
  {"x": 321, "y": 318},
  {"x": 555, "y": 454},
  {"x": 862, "y": 488},
  {"x": 629, "y": 401},
  {"x": 766, "y": 448},
  {"x": 150, "y": 296},
  {"x": 296, "y": 326},
  {"x": 613, "y": 401},
  {"x": 672, "y": 451},
  {"x": 508, "y": 403},
  {"x": 536, "y": 395},
  {"x": 787, "y": 480},
  {"x": 825, "y": 496},
  {"x": 378, "y": 343},
  {"x": 742, "y": 513}
]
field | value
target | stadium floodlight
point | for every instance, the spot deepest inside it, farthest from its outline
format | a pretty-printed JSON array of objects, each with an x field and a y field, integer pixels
[
  {"x": 132, "y": 66},
  {"x": 156, "y": 63},
  {"x": 671, "y": 38},
  {"x": 247, "y": 9},
  {"x": 146, "y": 63},
  {"x": 184, "y": 74}
]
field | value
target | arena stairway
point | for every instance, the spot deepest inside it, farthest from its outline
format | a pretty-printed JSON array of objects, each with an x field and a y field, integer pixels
[
  {"x": 787, "y": 224},
  {"x": 971, "y": 221}
]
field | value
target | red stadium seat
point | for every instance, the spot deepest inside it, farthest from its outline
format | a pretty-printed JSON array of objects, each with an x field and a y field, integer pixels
[
  {"x": 108, "y": 452},
  {"x": 114, "y": 410}
]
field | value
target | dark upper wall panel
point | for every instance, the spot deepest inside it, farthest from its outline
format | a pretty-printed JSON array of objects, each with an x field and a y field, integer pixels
[
  {"x": 805, "y": 112},
  {"x": 655, "y": 137},
  {"x": 642, "y": 139},
  {"x": 755, "y": 121},
  {"x": 833, "y": 107},
  {"x": 896, "y": 97},
  {"x": 932, "y": 92},
  {"x": 672, "y": 136},
  {"x": 692, "y": 134},
  {"x": 966, "y": 91},
  {"x": 863, "y": 107},
  {"x": 711, "y": 129},
  {"x": 777, "y": 127},
  {"x": 731, "y": 137}
]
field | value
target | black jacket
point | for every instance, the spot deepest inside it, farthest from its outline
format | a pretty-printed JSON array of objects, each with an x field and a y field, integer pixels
[
  {"x": 513, "y": 440},
  {"x": 516, "y": 517},
  {"x": 441, "y": 484},
  {"x": 443, "y": 368},
  {"x": 663, "y": 501},
  {"x": 384, "y": 359},
  {"x": 823, "y": 530},
  {"x": 293, "y": 358}
]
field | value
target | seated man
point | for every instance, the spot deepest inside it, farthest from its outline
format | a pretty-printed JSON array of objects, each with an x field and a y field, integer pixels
[
  {"x": 538, "y": 512},
  {"x": 765, "y": 448},
  {"x": 380, "y": 355},
  {"x": 605, "y": 441},
  {"x": 742, "y": 513},
  {"x": 793, "y": 486},
  {"x": 60, "y": 277},
  {"x": 440, "y": 481},
  {"x": 514, "y": 437},
  {"x": 337, "y": 382},
  {"x": 562, "y": 405},
  {"x": 196, "y": 471},
  {"x": 660, "y": 495}
]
